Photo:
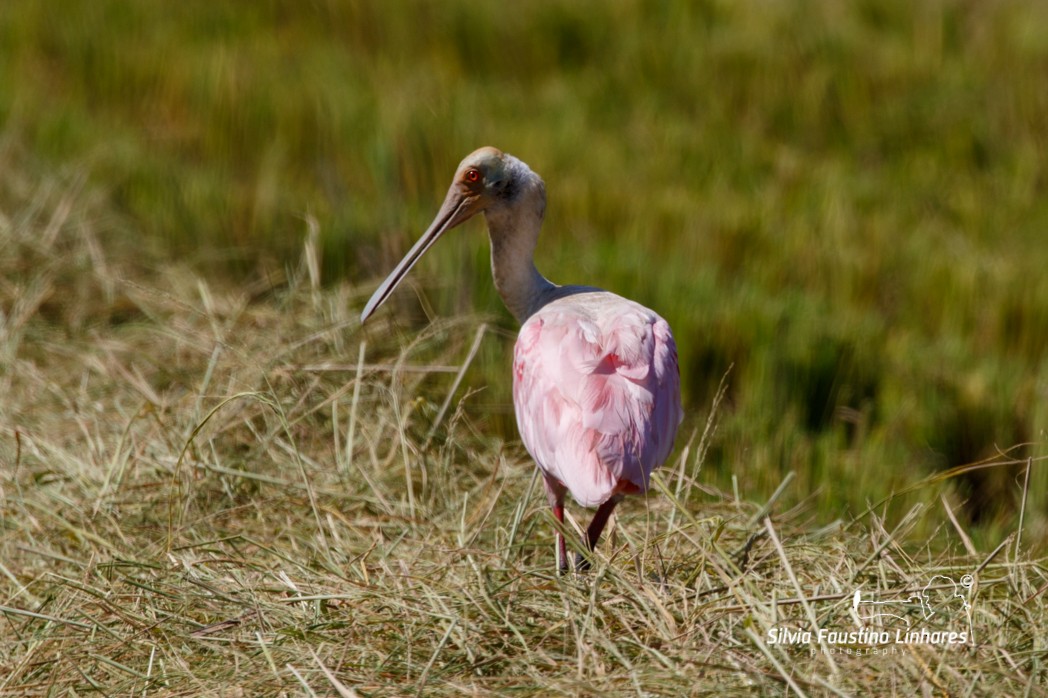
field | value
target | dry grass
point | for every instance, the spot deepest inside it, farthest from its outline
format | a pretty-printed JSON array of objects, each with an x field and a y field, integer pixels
[{"x": 196, "y": 501}]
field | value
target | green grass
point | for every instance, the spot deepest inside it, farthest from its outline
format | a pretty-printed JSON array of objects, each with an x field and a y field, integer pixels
[
  {"x": 845, "y": 205},
  {"x": 209, "y": 492},
  {"x": 840, "y": 208}
]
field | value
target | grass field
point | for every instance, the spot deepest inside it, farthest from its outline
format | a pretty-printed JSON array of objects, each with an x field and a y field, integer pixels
[{"x": 213, "y": 481}]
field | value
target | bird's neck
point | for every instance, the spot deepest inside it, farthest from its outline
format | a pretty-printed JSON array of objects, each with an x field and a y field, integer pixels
[{"x": 514, "y": 231}]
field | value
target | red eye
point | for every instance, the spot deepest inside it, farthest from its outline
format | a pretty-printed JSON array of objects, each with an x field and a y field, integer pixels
[{"x": 472, "y": 176}]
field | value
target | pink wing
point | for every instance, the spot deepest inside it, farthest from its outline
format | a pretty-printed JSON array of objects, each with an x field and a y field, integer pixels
[{"x": 596, "y": 388}]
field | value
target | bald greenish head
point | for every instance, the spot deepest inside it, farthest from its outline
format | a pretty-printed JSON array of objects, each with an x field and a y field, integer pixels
[{"x": 487, "y": 180}]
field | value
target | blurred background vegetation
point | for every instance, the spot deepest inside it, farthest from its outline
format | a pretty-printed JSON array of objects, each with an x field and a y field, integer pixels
[{"x": 845, "y": 203}]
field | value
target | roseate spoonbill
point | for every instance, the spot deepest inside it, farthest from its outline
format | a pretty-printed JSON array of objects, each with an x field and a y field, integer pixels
[{"x": 596, "y": 385}]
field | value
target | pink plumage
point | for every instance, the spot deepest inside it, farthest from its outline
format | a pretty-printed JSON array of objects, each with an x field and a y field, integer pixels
[
  {"x": 595, "y": 381},
  {"x": 597, "y": 394}
]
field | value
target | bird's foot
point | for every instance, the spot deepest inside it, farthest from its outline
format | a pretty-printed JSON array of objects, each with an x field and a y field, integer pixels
[{"x": 582, "y": 563}]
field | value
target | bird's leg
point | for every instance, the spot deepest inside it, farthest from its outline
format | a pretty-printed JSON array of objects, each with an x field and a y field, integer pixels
[
  {"x": 555, "y": 494},
  {"x": 562, "y": 551},
  {"x": 596, "y": 527}
]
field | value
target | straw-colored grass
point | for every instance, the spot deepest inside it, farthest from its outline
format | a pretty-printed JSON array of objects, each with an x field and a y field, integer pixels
[{"x": 239, "y": 491}]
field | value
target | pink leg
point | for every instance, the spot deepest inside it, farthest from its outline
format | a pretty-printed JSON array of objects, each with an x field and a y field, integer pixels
[
  {"x": 596, "y": 527},
  {"x": 562, "y": 551},
  {"x": 555, "y": 494}
]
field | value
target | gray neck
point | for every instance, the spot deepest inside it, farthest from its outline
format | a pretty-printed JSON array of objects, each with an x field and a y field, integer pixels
[{"x": 513, "y": 226}]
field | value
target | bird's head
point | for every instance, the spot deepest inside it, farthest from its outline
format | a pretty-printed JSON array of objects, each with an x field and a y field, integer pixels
[
  {"x": 487, "y": 178},
  {"x": 481, "y": 180}
]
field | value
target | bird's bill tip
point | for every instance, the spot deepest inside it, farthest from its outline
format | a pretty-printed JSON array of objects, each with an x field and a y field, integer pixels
[{"x": 457, "y": 208}]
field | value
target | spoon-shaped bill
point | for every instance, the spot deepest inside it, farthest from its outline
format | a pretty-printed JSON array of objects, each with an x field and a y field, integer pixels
[{"x": 455, "y": 210}]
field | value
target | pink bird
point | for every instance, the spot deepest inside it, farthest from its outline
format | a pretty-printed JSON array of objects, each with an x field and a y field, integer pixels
[{"x": 596, "y": 384}]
